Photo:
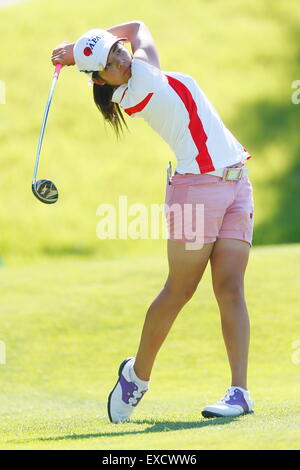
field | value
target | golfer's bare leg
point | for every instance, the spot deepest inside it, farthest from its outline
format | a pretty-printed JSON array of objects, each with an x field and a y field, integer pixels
[
  {"x": 229, "y": 259},
  {"x": 186, "y": 268}
]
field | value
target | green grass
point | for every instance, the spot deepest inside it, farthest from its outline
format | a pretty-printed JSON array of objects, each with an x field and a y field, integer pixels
[
  {"x": 243, "y": 54},
  {"x": 68, "y": 324}
]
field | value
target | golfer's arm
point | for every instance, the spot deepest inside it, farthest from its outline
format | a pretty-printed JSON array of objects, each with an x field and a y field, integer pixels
[{"x": 141, "y": 40}]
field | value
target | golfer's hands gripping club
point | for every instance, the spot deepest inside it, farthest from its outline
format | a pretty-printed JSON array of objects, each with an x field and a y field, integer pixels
[{"x": 63, "y": 54}]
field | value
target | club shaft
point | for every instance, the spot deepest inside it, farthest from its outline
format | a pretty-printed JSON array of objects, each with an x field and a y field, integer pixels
[{"x": 54, "y": 81}]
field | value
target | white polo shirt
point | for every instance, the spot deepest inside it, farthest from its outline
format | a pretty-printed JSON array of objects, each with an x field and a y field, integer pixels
[{"x": 174, "y": 106}]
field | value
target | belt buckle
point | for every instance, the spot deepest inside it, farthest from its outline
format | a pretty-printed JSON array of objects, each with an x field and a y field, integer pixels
[{"x": 233, "y": 174}]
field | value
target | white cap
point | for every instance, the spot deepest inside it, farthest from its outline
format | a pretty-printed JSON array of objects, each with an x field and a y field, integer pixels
[{"x": 91, "y": 50}]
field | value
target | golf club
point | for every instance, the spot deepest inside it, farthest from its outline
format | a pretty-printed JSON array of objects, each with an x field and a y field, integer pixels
[{"x": 45, "y": 190}]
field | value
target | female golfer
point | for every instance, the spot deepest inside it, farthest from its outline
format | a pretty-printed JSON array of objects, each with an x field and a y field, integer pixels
[{"x": 210, "y": 178}]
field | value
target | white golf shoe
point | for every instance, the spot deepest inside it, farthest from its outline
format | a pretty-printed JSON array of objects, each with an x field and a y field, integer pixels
[
  {"x": 236, "y": 402},
  {"x": 126, "y": 394}
]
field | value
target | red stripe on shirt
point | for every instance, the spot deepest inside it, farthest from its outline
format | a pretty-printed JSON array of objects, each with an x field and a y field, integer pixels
[
  {"x": 195, "y": 126},
  {"x": 140, "y": 106}
]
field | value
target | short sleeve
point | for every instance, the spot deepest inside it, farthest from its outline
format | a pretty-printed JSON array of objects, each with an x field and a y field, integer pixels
[{"x": 145, "y": 78}]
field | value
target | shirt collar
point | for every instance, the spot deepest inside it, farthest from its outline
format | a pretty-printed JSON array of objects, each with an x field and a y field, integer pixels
[{"x": 118, "y": 93}]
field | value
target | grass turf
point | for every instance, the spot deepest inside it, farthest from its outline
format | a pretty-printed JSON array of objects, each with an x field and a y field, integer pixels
[{"x": 68, "y": 325}]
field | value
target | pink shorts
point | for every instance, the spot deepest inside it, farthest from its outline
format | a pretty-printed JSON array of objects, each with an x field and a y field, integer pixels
[{"x": 202, "y": 208}]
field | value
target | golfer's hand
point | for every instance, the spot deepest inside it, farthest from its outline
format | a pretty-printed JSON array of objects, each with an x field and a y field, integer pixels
[{"x": 63, "y": 54}]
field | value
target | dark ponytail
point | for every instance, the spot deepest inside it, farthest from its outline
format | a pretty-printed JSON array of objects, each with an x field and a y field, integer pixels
[{"x": 111, "y": 111}]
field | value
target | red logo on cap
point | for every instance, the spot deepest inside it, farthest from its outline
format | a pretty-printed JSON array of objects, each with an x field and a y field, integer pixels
[{"x": 87, "y": 51}]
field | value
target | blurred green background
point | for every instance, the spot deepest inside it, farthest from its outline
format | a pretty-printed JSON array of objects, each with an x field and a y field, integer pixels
[
  {"x": 68, "y": 316},
  {"x": 245, "y": 56}
]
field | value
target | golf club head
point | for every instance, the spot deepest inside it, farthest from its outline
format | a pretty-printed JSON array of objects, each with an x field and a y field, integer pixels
[{"x": 45, "y": 191}]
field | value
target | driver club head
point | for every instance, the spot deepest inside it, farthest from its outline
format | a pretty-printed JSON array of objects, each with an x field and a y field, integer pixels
[{"x": 45, "y": 191}]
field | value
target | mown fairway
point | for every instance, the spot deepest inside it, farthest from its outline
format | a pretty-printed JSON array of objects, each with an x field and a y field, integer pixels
[{"x": 67, "y": 326}]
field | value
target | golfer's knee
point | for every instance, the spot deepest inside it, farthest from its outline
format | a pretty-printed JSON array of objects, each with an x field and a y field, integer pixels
[
  {"x": 230, "y": 289},
  {"x": 180, "y": 294}
]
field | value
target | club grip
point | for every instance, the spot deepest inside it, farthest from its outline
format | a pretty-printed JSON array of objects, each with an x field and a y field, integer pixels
[{"x": 57, "y": 70}]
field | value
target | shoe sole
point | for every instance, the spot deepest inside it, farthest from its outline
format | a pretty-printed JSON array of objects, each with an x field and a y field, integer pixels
[
  {"x": 109, "y": 397},
  {"x": 211, "y": 414}
]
